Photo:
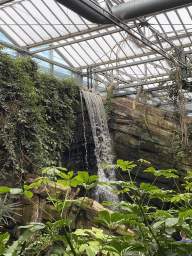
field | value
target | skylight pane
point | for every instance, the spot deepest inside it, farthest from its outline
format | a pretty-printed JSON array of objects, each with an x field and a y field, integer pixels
[
  {"x": 98, "y": 48},
  {"x": 51, "y": 30},
  {"x": 22, "y": 34},
  {"x": 58, "y": 58},
  {"x": 17, "y": 18},
  {"x": 103, "y": 44},
  {"x": 63, "y": 30},
  {"x": 81, "y": 52},
  {"x": 164, "y": 22},
  {"x": 61, "y": 72},
  {"x": 34, "y": 12},
  {"x": 50, "y": 17},
  {"x": 4, "y": 38},
  {"x": 13, "y": 35},
  {"x": 19, "y": 8},
  {"x": 42, "y": 32},
  {"x": 75, "y": 55},
  {"x": 6, "y": 18},
  {"x": 88, "y": 48},
  {"x": 30, "y": 32},
  {"x": 72, "y": 60}
]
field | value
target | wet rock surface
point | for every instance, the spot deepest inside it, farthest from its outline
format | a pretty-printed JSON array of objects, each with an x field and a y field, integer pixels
[{"x": 145, "y": 133}]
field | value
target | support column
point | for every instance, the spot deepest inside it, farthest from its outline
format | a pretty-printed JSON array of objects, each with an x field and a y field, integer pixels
[
  {"x": 78, "y": 78},
  {"x": 51, "y": 58},
  {"x": 23, "y": 54}
]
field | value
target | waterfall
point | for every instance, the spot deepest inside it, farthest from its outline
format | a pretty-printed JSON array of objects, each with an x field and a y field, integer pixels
[{"x": 102, "y": 142}]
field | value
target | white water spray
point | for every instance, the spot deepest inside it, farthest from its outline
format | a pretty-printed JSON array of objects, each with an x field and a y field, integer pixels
[{"x": 102, "y": 142}]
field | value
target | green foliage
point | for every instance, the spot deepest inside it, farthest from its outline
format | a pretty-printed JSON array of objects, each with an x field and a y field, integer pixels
[
  {"x": 108, "y": 104},
  {"x": 7, "y": 207},
  {"x": 37, "y": 114},
  {"x": 35, "y": 245},
  {"x": 155, "y": 227},
  {"x": 179, "y": 150},
  {"x": 3, "y": 240}
]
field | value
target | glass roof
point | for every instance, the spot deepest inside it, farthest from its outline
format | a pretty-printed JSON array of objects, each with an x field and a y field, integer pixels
[{"x": 41, "y": 25}]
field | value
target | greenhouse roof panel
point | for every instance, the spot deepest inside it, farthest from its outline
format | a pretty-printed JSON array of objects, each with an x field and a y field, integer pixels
[{"x": 138, "y": 56}]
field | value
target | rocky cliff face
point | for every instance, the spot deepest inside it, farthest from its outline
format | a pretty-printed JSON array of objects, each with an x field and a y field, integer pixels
[{"x": 146, "y": 132}]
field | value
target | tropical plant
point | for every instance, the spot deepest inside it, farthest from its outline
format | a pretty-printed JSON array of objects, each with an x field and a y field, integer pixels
[
  {"x": 7, "y": 208},
  {"x": 154, "y": 228}
]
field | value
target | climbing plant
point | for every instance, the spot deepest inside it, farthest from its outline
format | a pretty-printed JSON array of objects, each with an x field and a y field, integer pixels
[
  {"x": 175, "y": 93},
  {"x": 37, "y": 113},
  {"x": 108, "y": 103}
]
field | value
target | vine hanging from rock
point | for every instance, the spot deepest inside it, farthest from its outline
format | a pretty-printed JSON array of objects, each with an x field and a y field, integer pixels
[{"x": 175, "y": 91}]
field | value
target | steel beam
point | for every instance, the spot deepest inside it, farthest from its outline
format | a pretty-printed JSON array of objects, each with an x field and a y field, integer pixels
[
  {"x": 22, "y": 50},
  {"x": 75, "y": 41},
  {"x": 79, "y": 33},
  {"x": 159, "y": 66},
  {"x": 187, "y": 53},
  {"x": 144, "y": 90},
  {"x": 162, "y": 36},
  {"x": 139, "y": 55},
  {"x": 108, "y": 16},
  {"x": 64, "y": 58},
  {"x": 130, "y": 76},
  {"x": 135, "y": 63},
  {"x": 9, "y": 37},
  {"x": 5, "y": 1},
  {"x": 143, "y": 83},
  {"x": 101, "y": 80}
]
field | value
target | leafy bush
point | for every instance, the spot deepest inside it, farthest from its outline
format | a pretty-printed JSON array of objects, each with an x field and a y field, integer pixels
[
  {"x": 155, "y": 228},
  {"x": 37, "y": 114}
]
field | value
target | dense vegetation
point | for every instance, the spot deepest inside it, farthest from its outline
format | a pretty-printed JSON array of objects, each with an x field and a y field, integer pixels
[
  {"x": 37, "y": 113},
  {"x": 155, "y": 228}
]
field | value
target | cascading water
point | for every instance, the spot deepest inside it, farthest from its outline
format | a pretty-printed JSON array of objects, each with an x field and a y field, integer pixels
[
  {"x": 86, "y": 151},
  {"x": 102, "y": 142}
]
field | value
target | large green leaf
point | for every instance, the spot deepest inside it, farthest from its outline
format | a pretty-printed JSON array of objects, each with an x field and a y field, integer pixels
[
  {"x": 117, "y": 246},
  {"x": 3, "y": 240},
  {"x": 171, "y": 222},
  {"x": 92, "y": 250},
  {"x": 4, "y": 189},
  {"x": 59, "y": 223},
  {"x": 66, "y": 176},
  {"x": 138, "y": 247},
  {"x": 120, "y": 162},
  {"x": 29, "y": 194},
  {"x": 65, "y": 183},
  {"x": 103, "y": 222},
  {"x": 75, "y": 182},
  {"x": 93, "y": 178},
  {"x": 106, "y": 215},
  {"x": 158, "y": 224},
  {"x": 34, "y": 185},
  {"x": 82, "y": 248},
  {"x": 82, "y": 176},
  {"x": 186, "y": 214}
]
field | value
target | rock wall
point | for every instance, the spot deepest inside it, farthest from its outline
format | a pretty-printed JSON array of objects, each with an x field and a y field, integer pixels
[
  {"x": 74, "y": 157},
  {"x": 146, "y": 132}
]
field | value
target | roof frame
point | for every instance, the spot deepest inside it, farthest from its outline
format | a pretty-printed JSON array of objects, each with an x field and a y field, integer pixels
[
  {"x": 5, "y": 1},
  {"x": 37, "y": 56},
  {"x": 133, "y": 33}
]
